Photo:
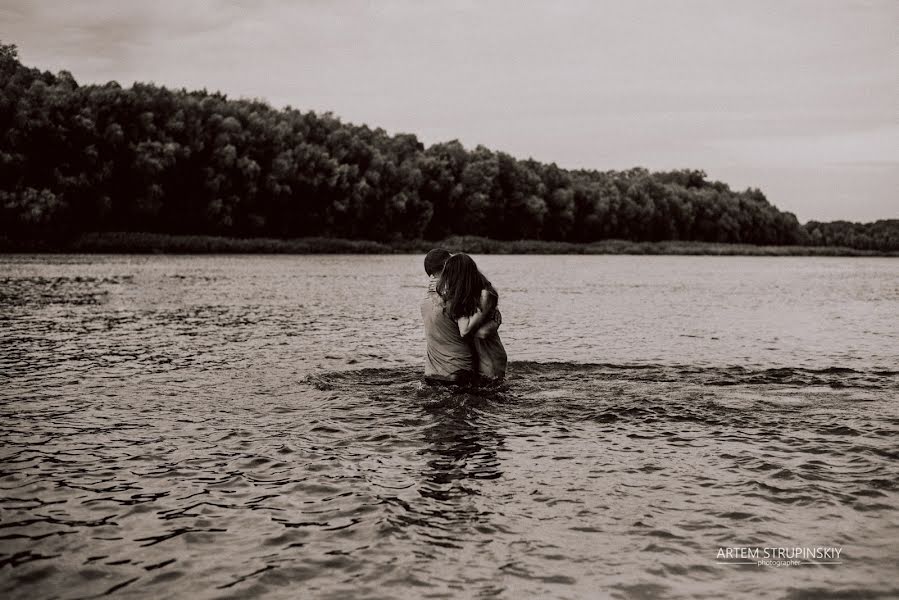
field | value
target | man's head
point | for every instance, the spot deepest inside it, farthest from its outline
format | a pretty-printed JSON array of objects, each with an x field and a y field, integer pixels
[{"x": 434, "y": 261}]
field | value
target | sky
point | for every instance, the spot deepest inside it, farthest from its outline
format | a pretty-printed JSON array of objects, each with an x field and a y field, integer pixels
[{"x": 797, "y": 98}]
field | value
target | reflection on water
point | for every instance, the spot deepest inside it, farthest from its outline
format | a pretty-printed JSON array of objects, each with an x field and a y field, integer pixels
[{"x": 254, "y": 426}]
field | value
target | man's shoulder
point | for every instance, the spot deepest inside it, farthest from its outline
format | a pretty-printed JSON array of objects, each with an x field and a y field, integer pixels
[{"x": 432, "y": 301}]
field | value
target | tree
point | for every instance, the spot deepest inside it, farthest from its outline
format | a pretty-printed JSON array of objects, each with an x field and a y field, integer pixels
[{"x": 78, "y": 158}]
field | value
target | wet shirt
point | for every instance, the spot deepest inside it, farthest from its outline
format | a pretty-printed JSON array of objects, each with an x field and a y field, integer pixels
[{"x": 447, "y": 352}]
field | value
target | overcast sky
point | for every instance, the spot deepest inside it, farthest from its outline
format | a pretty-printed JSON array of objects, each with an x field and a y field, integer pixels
[{"x": 800, "y": 99}]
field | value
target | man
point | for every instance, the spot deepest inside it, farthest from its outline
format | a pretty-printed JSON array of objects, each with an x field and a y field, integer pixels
[{"x": 450, "y": 358}]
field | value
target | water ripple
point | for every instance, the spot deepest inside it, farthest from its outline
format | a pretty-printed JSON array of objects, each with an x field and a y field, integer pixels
[{"x": 243, "y": 427}]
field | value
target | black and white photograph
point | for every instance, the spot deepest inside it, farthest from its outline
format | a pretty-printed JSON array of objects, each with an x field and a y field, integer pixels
[{"x": 404, "y": 299}]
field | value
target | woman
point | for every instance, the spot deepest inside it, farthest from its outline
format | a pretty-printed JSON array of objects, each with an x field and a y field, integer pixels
[{"x": 471, "y": 301}]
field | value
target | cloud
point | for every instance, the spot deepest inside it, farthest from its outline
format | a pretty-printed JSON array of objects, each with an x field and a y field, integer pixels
[{"x": 871, "y": 146}]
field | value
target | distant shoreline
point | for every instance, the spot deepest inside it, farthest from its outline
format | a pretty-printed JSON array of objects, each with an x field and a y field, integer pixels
[{"x": 159, "y": 243}]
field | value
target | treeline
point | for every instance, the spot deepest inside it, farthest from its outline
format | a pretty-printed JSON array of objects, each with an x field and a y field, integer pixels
[
  {"x": 97, "y": 158},
  {"x": 879, "y": 235}
]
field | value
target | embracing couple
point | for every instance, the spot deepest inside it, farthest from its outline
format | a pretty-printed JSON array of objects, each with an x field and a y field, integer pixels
[{"x": 461, "y": 320}]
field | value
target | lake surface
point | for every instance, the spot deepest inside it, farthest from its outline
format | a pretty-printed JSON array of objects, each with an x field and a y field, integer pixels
[{"x": 253, "y": 426}]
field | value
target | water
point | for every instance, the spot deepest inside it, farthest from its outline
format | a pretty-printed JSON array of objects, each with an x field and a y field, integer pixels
[{"x": 253, "y": 426}]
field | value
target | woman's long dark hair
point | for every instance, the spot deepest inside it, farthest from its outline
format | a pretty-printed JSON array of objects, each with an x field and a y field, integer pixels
[{"x": 460, "y": 286}]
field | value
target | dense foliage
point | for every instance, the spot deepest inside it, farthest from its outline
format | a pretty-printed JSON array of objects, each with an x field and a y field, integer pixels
[{"x": 76, "y": 159}]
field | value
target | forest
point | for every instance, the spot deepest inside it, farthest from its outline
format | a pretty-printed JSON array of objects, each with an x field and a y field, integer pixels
[{"x": 77, "y": 159}]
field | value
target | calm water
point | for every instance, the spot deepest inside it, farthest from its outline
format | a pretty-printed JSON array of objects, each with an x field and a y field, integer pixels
[{"x": 244, "y": 426}]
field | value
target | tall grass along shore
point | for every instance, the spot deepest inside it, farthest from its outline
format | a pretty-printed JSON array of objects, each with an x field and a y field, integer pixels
[{"x": 160, "y": 243}]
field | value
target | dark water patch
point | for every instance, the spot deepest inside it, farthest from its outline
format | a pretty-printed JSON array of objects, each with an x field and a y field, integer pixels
[
  {"x": 841, "y": 593},
  {"x": 21, "y": 558},
  {"x": 44, "y": 291}
]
